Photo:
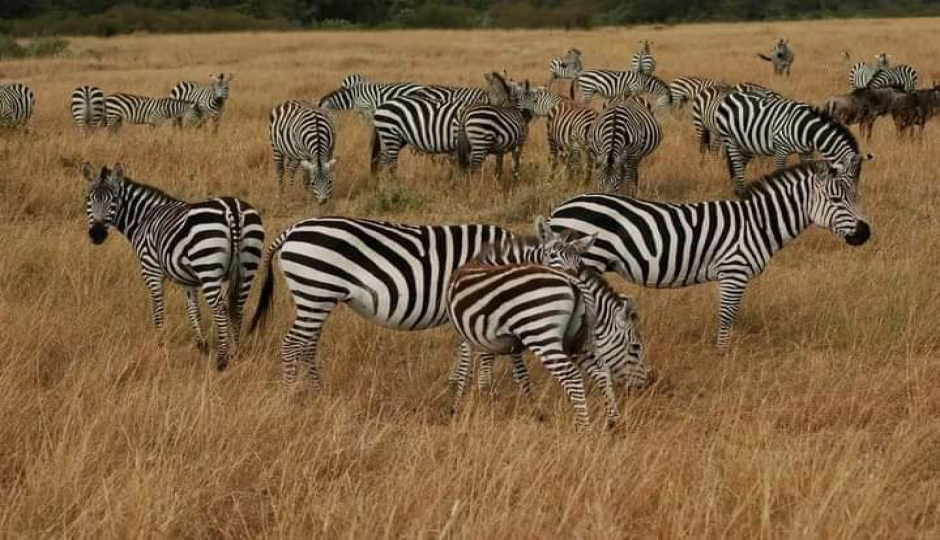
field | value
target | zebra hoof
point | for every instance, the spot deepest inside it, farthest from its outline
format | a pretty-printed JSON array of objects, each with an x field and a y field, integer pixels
[
  {"x": 221, "y": 364},
  {"x": 202, "y": 347}
]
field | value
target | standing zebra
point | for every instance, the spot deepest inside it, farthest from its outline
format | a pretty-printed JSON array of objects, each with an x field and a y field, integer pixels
[
  {"x": 613, "y": 84},
  {"x": 565, "y": 67},
  {"x": 364, "y": 96},
  {"x": 568, "y": 321},
  {"x": 705, "y": 109},
  {"x": 392, "y": 274},
  {"x": 199, "y": 246},
  {"x": 209, "y": 99},
  {"x": 429, "y": 126},
  {"x": 643, "y": 62},
  {"x": 568, "y": 126},
  {"x": 619, "y": 139},
  {"x": 495, "y": 129},
  {"x": 752, "y": 126},
  {"x": 301, "y": 134},
  {"x": 17, "y": 102},
  {"x": 128, "y": 108},
  {"x": 684, "y": 89},
  {"x": 662, "y": 245},
  {"x": 87, "y": 107},
  {"x": 781, "y": 56}
]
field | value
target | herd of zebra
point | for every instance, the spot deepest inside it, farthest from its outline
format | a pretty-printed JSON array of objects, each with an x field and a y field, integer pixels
[{"x": 504, "y": 293}]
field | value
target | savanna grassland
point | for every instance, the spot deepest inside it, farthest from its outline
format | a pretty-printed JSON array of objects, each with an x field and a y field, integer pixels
[{"x": 822, "y": 421}]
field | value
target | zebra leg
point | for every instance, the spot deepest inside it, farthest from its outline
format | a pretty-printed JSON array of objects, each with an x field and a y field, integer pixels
[
  {"x": 195, "y": 319},
  {"x": 601, "y": 376},
  {"x": 485, "y": 381},
  {"x": 737, "y": 164},
  {"x": 521, "y": 375},
  {"x": 300, "y": 343},
  {"x": 731, "y": 291},
  {"x": 459, "y": 375},
  {"x": 561, "y": 367},
  {"x": 499, "y": 166},
  {"x": 279, "y": 168},
  {"x": 154, "y": 282},
  {"x": 516, "y": 156},
  {"x": 221, "y": 318},
  {"x": 631, "y": 173}
]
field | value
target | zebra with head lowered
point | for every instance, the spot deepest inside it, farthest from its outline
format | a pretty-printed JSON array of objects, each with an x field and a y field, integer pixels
[
  {"x": 500, "y": 127},
  {"x": 752, "y": 126},
  {"x": 619, "y": 139},
  {"x": 197, "y": 245},
  {"x": 392, "y": 274},
  {"x": 209, "y": 99},
  {"x": 663, "y": 245},
  {"x": 643, "y": 61},
  {"x": 615, "y": 84},
  {"x": 17, "y": 102},
  {"x": 304, "y": 135},
  {"x": 682, "y": 90},
  {"x": 568, "y": 321},
  {"x": 781, "y": 56},
  {"x": 565, "y": 67},
  {"x": 568, "y": 128},
  {"x": 87, "y": 107},
  {"x": 365, "y": 96},
  {"x": 130, "y": 109}
]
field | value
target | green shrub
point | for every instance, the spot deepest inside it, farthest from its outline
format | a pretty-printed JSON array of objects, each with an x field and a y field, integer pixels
[
  {"x": 394, "y": 200},
  {"x": 38, "y": 47}
]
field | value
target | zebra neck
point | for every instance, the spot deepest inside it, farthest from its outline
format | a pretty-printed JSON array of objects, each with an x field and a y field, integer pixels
[
  {"x": 777, "y": 213},
  {"x": 136, "y": 201}
]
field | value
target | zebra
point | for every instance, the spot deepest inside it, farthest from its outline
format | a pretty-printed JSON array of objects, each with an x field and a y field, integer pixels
[
  {"x": 568, "y": 321},
  {"x": 705, "y": 106},
  {"x": 781, "y": 56},
  {"x": 862, "y": 73},
  {"x": 495, "y": 129},
  {"x": 610, "y": 84},
  {"x": 619, "y": 139},
  {"x": 755, "y": 89},
  {"x": 305, "y": 135},
  {"x": 352, "y": 80},
  {"x": 643, "y": 61},
  {"x": 87, "y": 107},
  {"x": 568, "y": 126},
  {"x": 544, "y": 101},
  {"x": 364, "y": 96},
  {"x": 197, "y": 245},
  {"x": 565, "y": 67},
  {"x": 17, "y": 102},
  {"x": 898, "y": 76},
  {"x": 209, "y": 99},
  {"x": 393, "y": 275},
  {"x": 752, "y": 126},
  {"x": 429, "y": 126},
  {"x": 663, "y": 245},
  {"x": 683, "y": 90},
  {"x": 128, "y": 108},
  {"x": 447, "y": 94}
]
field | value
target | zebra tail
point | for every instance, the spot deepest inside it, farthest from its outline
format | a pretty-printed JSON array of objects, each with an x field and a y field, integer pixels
[
  {"x": 235, "y": 271},
  {"x": 463, "y": 147},
  {"x": 376, "y": 149},
  {"x": 267, "y": 288},
  {"x": 765, "y": 57}
]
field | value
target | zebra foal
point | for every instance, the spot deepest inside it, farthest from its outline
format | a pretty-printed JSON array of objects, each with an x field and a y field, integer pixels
[
  {"x": 123, "y": 109},
  {"x": 199, "y": 246}
]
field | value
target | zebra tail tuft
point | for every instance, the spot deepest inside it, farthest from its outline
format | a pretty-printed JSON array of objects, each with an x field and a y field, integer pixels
[
  {"x": 235, "y": 273},
  {"x": 266, "y": 300}
]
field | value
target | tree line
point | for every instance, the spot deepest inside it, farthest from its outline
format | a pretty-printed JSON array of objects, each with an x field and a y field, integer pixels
[{"x": 115, "y": 16}]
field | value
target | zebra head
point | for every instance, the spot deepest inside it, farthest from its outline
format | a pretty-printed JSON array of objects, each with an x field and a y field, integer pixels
[
  {"x": 558, "y": 249},
  {"x": 319, "y": 176},
  {"x": 832, "y": 201},
  {"x": 103, "y": 199},
  {"x": 220, "y": 84},
  {"x": 882, "y": 60},
  {"x": 500, "y": 93},
  {"x": 645, "y": 46},
  {"x": 608, "y": 171},
  {"x": 617, "y": 341}
]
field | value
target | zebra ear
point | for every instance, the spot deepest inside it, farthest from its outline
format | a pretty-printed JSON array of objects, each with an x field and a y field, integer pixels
[
  {"x": 582, "y": 245},
  {"x": 543, "y": 231},
  {"x": 329, "y": 164},
  {"x": 309, "y": 166},
  {"x": 629, "y": 304},
  {"x": 88, "y": 172},
  {"x": 117, "y": 173}
]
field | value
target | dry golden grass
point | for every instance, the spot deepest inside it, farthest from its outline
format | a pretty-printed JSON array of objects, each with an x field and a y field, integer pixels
[{"x": 822, "y": 421}]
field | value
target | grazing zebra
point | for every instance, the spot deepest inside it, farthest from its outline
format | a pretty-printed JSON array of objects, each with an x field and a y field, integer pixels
[
  {"x": 611, "y": 84},
  {"x": 683, "y": 90},
  {"x": 197, "y": 245},
  {"x": 781, "y": 56},
  {"x": 365, "y": 96},
  {"x": 643, "y": 61},
  {"x": 620, "y": 138},
  {"x": 301, "y": 134},
  {"x": 705, "y": 107},
  {"x": 495, "y": 129},
  {"x": 429, "y": 126},
  {"x": 662, "y": 245},
  {"x": 862, "y": 73},
  {"x": 391, "y": 274},
  {"x": 209, "y": 99},
  {"x": 130, "y": 109},
  {"x": 565, "y": 67},
  {"x": 87, "y": 107},
  {"x": 568, "y": 126},
  {"x": 898, "y": 76},
  {"x": 567, "y": 321},
  {"x": 752, "y": 126},
  {"x": 464, "y": 94},
  {"x": 17, "y": 102}
]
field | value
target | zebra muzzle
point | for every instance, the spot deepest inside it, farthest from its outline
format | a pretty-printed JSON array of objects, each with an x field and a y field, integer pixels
[
  {"x": 98, "y": 233},
  {"x": 860, "y": 236}
]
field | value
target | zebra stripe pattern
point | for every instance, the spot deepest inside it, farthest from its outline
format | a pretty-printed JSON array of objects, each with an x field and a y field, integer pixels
[
  {"x": 662, "y": 245},
  {"x": 199, "y": 246},
  {"x": 87, "y": 107},
  {"x": 429, "y": 126},
  {"x": 567, "y": 321},
  {"x": 781, "y": 56},
  {"x": 705, "y": 109},
  {"x": 751, "y": 126},
  {"x": 861, "y": 74},
  {"x": 364, "y": 96},
  {"x": 643, "y": 62},
  {"x": 17, "y": 102},
  {"x": 620, "y": 138},
  {"x": 130, "y": 109},
  {"x": 565, "y": 67},
  {"x": 391, "y": 274},
  {"x": 449, "y": 94},
  {"x": 209, "y": 99},
  {"x": 568, "y": 128},
  {"x": 613, "y": 84},
  {"x": 899, "y": 76},
  {"x": 684, "y": 89},
  {"x": 304, "y": 135}
]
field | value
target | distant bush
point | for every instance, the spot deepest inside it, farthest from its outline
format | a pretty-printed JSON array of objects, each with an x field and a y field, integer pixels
[
  {"x": 525, "y": 15},
  {"x": 34, "y": 48},
  {"x": 334, "y": 24},
  {"x": 438, "y": 16}
]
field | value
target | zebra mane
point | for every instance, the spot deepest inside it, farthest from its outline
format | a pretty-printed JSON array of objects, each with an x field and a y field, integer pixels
[
  {"x": 836, "y": 125},
  {"x": 768, "y": 181},
  {"x": 151, "y": 190},
  {"x": 338, "y": 91},
  {"x": 505, "y": 249}
]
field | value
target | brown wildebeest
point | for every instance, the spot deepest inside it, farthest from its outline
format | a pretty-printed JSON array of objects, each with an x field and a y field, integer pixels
[
  {"x": 862, "y": 107},
  {"x": 914, "y": 109}
]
